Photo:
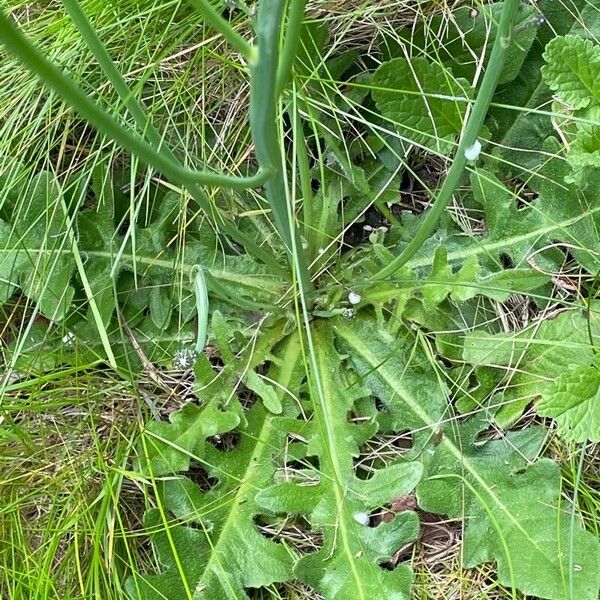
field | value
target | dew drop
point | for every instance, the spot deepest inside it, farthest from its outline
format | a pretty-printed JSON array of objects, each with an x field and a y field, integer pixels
[
  {"x": 361, "y": 517},
  {"x": 354, "y": 298}
]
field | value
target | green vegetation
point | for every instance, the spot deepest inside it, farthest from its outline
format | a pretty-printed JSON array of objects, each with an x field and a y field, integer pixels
[{"x": 299, "y": 300}]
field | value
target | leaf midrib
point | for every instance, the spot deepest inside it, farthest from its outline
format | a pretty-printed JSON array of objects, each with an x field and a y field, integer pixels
[
  {"x": 335, "y": 477},
  {"x": 245, "y": 488},
  {"x": 381, "y": 369}
]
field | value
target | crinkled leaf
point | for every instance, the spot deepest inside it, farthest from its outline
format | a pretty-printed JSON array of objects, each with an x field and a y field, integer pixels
[
  {"x": 572, "y": 70},
  {"x": 584, "y": 154},
  {"x": 521, "y": 133},
  {"x": 536, "y": 357},
  {"x": 573, "y": 401},
  {"x": 408, "y": 92}
]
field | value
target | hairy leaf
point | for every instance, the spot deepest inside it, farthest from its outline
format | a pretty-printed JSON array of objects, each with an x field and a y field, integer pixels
[
  {"x": 573, "y": 401},
  {"x": 34, "y": 251},
  {"x": 444, "y": 281},
  {"x": 532, "y": 359},
  {"x": 224, "y": 554},
  {"x": 265, "y": 391},
  {"x": 572, "y": 70},
  {"x": 513, "y": 510},
  {"x": 514, "y": 514},
  {"x": 347, "y": 565},
  {"x": 520, "y": 134},
  {"x": 584, "y": 155},
  {"x": 414, "y": 378},
  {"x": 458, "y": 280},
  {"x": 560, "y": 212},
  {"x": 170, "y": 447},
  {"x": 423, "y": 99}
]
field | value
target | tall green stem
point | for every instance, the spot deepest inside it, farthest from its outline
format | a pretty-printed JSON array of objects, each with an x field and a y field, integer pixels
[
  {"x": 471, "y": 131},
  {"x": 265, "y": 67},
  {"x": 263, "y": 123},
  {"x": 290, "y": 43}
]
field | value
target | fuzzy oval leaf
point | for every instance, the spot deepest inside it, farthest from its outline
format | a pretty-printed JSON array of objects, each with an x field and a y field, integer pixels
[
  {"x": 425, "y": 101},
  {"x": 32, "y": 248},
  {"x": 160, "y": 307},
  {"x": 573, "y": 402}
]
